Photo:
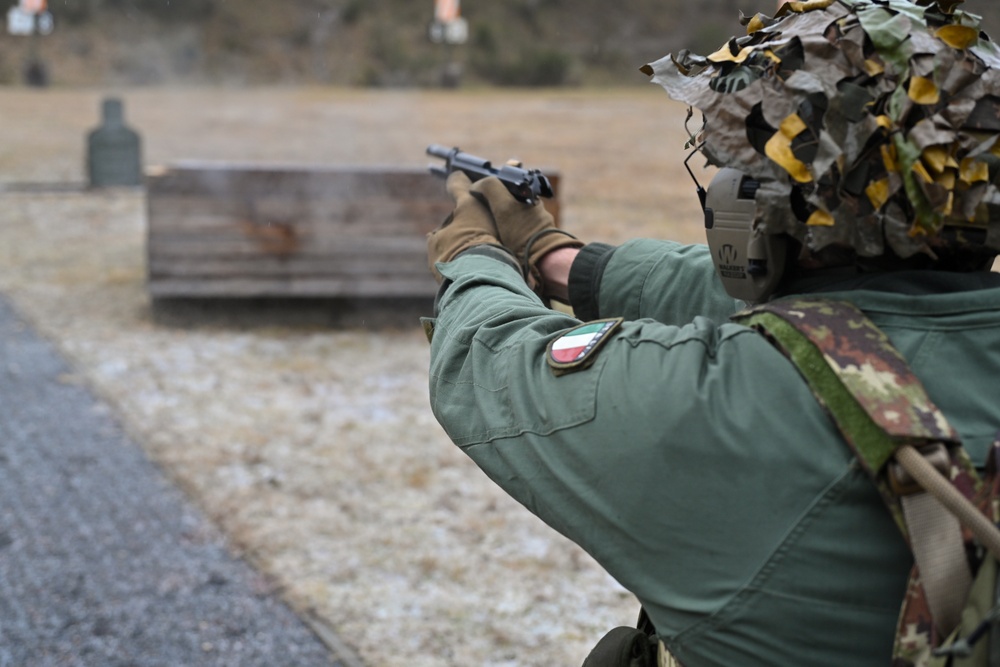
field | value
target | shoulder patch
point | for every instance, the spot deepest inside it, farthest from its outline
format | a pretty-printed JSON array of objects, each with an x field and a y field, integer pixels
[{"x": 576, "y": 348}]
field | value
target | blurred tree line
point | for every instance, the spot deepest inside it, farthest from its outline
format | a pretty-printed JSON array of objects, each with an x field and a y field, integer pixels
[{"x": 375, "y": 42}]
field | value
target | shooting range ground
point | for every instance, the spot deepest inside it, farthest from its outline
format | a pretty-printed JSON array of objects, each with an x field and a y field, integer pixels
[{"x": 312, "y": 446}]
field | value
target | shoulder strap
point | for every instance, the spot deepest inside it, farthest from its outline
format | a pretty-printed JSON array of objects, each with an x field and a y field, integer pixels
[{"x": 882, "y": 410}]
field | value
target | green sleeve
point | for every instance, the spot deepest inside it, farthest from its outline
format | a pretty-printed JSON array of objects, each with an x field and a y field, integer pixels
[
  {"x": 624, "y": 457},
  {"x": 488, "y": 325},
  {"x": 690, "y": 461},
  {"x": 665, "y": 281}
]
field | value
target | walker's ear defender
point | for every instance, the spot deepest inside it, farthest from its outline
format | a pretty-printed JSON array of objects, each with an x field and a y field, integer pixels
[{"x": 749, "y": 263}]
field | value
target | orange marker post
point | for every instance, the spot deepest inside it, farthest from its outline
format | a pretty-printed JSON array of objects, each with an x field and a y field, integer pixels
[
  {"x": 34, "y": 6},
  {"x": 445, "y": 11}
]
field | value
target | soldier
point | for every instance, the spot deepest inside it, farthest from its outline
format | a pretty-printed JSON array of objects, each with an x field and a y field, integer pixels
[{"x": 684, "y": 451}]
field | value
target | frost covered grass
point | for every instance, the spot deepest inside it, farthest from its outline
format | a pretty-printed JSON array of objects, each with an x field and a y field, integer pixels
[{"x": 314, "y": 447}]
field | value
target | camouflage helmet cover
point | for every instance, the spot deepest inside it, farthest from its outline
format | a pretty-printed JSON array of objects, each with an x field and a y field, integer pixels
[{"x": 880, "y": 119}]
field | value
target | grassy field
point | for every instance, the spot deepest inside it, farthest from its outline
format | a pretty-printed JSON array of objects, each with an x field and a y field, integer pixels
[{"x": 312, "y": 445}]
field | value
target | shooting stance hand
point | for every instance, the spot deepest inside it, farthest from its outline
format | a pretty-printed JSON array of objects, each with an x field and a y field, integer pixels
[
  {"x": 528, "y": 231},
  {"x": 469, "y": 225}
]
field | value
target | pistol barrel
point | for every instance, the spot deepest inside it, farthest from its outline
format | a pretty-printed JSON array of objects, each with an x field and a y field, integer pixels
[{"x": 437, "y": 150}]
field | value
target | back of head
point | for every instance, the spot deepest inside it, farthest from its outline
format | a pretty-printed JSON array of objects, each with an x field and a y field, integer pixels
[{"x": 871, "y": 126}]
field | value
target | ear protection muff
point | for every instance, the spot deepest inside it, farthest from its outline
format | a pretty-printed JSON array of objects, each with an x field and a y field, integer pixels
[{"x": 749, "y": 263}]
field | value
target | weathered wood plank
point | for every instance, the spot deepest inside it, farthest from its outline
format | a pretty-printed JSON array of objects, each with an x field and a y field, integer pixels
[
  {"x": 215, "y": 245},
  {"x": 346, "y": 266},
  {"x": 298, "y": 287},
  {"x": 389, "y": 224},
  {"x": 227, "y": 229}
]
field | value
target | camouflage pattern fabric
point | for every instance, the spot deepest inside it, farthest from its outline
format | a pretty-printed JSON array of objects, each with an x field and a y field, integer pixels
[
  {"x": 871, "y": 371},
  {"x": 988, "y": 498},
  {"x": 863, "y": 382},
  {"x": 915, "y": 634},
  {"x": 878, "y": 404},
  {"x": 876, "y": 121}
]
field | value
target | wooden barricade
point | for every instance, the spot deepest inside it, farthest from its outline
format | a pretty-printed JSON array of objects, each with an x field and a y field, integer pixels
[{"x": 237, "y": 230}]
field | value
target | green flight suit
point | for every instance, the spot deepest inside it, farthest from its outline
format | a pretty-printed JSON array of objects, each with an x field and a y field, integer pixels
[{"x": 691, "y": 460}]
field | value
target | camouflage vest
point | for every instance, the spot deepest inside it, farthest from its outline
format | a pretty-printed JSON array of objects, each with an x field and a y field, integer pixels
[{"x": 879, "y": 405}]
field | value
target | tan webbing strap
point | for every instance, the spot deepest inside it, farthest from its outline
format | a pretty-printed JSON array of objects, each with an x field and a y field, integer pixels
[
  {"x": 664, "y": 658},
  {"x": 933, "y": 519},
  {"x": 925, "y": 474},
  {"x": 936, "y": 542}
]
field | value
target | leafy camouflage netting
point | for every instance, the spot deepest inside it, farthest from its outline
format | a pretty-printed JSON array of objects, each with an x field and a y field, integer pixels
[{"x": 881, "y": 120}]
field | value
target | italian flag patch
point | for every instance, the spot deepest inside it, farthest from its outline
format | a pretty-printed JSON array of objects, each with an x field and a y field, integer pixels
[{"x": 576, "y": 347}]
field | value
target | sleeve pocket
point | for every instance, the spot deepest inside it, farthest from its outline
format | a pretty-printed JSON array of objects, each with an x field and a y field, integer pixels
[{"x": 502, "y": 393}]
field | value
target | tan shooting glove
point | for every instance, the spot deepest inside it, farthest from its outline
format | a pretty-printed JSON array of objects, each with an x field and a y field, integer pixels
[
  {"x": 528, "y": 231},
  {"x": 469, "y": 225}
]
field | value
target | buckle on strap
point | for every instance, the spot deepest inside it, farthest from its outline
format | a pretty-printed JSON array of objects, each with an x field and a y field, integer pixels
[{"x": 902, "y": 483}]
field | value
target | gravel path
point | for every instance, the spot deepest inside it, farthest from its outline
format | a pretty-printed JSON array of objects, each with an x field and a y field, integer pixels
[
  {"x": 312, "y": 447},
  {"x": 102, "y": 561}
]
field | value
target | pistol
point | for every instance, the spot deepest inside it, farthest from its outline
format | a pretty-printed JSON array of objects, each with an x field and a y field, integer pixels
[{"x": 526, "y": 185}]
